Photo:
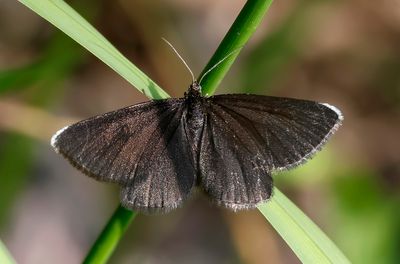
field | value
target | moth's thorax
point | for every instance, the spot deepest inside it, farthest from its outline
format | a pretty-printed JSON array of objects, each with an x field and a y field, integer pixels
[{"x": 195, "y": 113}]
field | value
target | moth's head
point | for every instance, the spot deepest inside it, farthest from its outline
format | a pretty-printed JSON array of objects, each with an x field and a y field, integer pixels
[
  {"x": 195, "y": 86},
  {"x": 194, "y": 90}
]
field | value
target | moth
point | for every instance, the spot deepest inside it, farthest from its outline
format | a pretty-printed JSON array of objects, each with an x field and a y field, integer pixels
[{"x": 228, "y": 145}]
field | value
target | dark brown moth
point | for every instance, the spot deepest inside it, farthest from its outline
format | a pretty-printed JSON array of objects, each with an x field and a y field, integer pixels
[{"x": 228, "y": 145}]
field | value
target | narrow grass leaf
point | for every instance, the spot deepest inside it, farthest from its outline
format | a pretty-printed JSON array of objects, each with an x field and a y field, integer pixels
[
  {"x": 304, "y": 237},
  {"x": 61, "y": 15},
  {"x": 5, "y": 256}
]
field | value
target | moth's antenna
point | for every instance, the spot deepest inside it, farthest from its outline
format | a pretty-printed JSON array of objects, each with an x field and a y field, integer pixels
[
  {"x": 180, "y": 57},
  {"x": 218, "y": 63}
]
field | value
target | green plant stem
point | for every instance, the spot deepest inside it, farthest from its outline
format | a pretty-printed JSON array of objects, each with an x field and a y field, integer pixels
[
  {"x": 109, "y": 238},
  {"x": 240, "y": 32}
]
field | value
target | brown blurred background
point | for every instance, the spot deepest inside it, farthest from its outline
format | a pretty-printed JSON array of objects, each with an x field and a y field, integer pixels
[{"x": 345, "y": 53}]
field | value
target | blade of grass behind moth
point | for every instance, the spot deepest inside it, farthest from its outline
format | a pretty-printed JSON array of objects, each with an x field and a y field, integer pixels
[
  {"x": 61, "y": 15},
  {"x": 304, "y": 237},
  {"x": 308, "y": 242},
  {"x": 106, "y": 243},
  {"x": 5, "y": 256},
  {"x": 240, "y": 32}
]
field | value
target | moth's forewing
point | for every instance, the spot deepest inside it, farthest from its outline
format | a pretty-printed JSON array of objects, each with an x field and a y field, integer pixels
[
  {"x": 139, "y": 147},
  {"x": 290, "y": 130}
]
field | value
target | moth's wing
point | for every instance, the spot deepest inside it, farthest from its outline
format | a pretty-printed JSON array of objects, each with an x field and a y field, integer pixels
[
  {"x": 143, "y": 148},
  {"x": 246, "y": 137},
  {"x": 290, "y": 130}
]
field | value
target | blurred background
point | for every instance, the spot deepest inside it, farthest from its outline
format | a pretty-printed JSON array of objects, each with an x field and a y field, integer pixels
[{"x": 345, "y": 53}]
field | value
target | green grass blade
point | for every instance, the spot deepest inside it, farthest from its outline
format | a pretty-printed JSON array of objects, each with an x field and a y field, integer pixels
[
  {"x": 106, "y": 243},
  {"x": 305, "y": 238},
  {"x": 61, "y": 15},
  {"x": 5, "y": 256},
  {"x": 240, "y": 32}
]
